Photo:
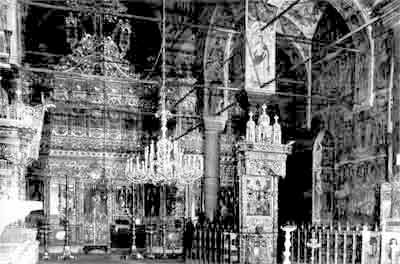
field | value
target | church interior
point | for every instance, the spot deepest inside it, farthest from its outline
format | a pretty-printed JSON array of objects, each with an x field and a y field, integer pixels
[{"x": 222, "y": 131}]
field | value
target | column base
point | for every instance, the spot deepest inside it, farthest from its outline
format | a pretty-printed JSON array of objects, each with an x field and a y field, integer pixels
[{"x": 67, "y": 255}]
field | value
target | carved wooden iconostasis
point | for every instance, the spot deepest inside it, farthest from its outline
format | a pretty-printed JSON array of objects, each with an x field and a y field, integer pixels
[
  {"x": 95, "y": 206},
  {"x": 96, "y": 214}
]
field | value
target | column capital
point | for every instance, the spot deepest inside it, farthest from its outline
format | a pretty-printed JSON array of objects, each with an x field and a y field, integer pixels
[
  {"x": 256, "y": 98},
  {"x": 214, "y": 123}
]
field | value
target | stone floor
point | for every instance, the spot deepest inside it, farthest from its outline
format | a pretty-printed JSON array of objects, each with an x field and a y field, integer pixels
[{"x": 107, "y": 259}]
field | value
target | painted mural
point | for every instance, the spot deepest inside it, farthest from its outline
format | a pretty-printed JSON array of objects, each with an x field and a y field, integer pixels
[
  {"x": 360, "y": 161},
  {"x": 260, "y": 49},
  {"x": 260, "y": 55},
  {"x": 359, "y": 128}
]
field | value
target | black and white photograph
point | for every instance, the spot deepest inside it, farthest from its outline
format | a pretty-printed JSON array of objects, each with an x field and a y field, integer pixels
[{"x": 200, "y": 131}]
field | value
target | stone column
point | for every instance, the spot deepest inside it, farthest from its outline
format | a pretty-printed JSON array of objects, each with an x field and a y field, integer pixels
[{"x": 213, "y": 125}]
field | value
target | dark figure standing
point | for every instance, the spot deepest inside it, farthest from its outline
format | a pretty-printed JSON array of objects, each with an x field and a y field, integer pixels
[{"x": 187, "y": 239}]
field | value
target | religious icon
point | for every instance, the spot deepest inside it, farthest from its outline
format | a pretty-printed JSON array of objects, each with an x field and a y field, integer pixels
[
  {"x": 260, "y": 50},
  {"x": 258, "y": 198},
  {"x": 261, "y": 53}
]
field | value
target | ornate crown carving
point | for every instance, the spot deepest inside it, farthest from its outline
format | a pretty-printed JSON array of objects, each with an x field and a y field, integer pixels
[{"x": 99, "y": 52}]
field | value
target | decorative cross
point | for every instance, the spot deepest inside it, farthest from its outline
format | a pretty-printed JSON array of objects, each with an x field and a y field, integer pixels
[
  {"x": 251, "y": 116},
  {"x": 264, "y": 108}
]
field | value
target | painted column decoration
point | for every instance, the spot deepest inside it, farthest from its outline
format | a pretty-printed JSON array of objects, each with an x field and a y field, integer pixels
[
  {"x": 260, "y": 49},
  {"x": 262, "y": 161}
]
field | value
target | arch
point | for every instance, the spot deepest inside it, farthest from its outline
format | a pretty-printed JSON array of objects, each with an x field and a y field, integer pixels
[
  {"x": 323, "y": 165},
  {"x": 342, "y": 6},
  {"x": 217, "y": 51},
  {"x": 281, "y": 27},
  {"x": 354, "y": 15},
  {"x": 217, "y": 45}
]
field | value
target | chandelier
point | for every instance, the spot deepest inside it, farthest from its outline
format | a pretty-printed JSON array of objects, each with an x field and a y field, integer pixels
[{"x": 164, "y": 161}]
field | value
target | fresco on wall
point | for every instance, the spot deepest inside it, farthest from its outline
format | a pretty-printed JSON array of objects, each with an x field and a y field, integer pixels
[
  {"x": 260, "y": 49},
  {"x": 260, "y": 55},
  {"x": 360, "y": 162},
  {"x": 359, "y": 132},
  {"x": 396, "y": 124},
  {"x": 356, "y": 133},
  {"x": 306, "y": 17},
  {"x": 333, "y": 69},
  {"x": 362, "y": 74},
  {"x": 323, "y": 172},
  {"x": 216, "y": 45},
  {"x": 383, "y": 53},
  {"x": 359, "y": 184}
]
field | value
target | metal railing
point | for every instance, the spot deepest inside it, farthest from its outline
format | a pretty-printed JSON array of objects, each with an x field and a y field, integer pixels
[
  {"x": 334, "y": 244},
  {"x": 211, "y": 243}
]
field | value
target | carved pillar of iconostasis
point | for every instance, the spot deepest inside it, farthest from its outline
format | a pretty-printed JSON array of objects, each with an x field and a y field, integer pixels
[
  {"x": 261, "y": 162},
  {"x": 213, "y": 127}
]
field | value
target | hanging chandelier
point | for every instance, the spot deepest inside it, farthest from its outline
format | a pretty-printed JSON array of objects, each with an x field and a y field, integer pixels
[{"x": 164, "y": 161}]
